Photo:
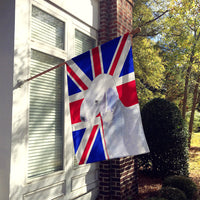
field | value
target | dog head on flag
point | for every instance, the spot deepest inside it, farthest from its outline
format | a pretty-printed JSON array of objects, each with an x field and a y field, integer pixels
[{"x": 101, "y": 97}]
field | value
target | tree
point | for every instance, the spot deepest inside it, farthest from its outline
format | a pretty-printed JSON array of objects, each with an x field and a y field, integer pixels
[
  {"x": 174, "y": 28},
  {"x": 184, "y": 23},
  {"x": 195, "y": 101},
  {"x": 182, "y": 40},
  {"x": 149, "y": 67}
]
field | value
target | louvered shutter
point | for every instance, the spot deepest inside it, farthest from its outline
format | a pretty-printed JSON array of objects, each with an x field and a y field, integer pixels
[
  {"x": 83, "y": 42},
  {"x": 45, "y": 143},
  {"x": 45, "y": 138},
  {"x": 46, "y": 28}
]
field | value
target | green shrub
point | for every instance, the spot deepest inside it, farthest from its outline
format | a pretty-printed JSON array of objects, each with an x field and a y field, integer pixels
[
  {"x": 171, "y": 193},
  {"x": 156, "y": 198},
  {"x": 183, "y": 183},
  {"x": 167, "y": 138}
]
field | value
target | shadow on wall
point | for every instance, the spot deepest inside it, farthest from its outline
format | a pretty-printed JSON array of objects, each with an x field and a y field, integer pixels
[{"x": 32, "y": 134}]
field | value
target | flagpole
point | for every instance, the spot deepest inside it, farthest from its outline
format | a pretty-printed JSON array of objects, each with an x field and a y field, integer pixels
[
  {"x": 134, "y": 32},
  {"x": 20, "y": 83}
]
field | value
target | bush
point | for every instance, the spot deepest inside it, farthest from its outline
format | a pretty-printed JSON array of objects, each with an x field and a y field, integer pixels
[
  {"x": 183, "y": 183},
  {"x": 167, "y": 138},
  {"x": 156, "y": 198},
  {"x": 171, "y": 193}
]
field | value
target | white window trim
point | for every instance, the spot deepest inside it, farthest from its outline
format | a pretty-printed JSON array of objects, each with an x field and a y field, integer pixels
[{"x": 23, "y": 46}]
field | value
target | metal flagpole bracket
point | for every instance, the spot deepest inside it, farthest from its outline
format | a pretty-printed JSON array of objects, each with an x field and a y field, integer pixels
[
  {"x": 135, "y": 31},
  {"x": 19, "y": 84}
]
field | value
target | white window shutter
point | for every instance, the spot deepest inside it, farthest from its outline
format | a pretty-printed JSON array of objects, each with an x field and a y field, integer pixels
[
  {"x": 83, "y": 42},
  {"x": 46, "y": 109},
  {"x": 47, "y": 29},
  {"x": 45, "y": 139}
]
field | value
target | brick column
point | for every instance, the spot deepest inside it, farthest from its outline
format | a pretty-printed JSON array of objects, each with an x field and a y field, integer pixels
[
  {"x": 118, "y": 177},
  {"x": 115, "y": 18}
]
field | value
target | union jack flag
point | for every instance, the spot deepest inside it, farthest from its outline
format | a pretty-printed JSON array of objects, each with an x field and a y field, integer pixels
[{"x": 93, "y": 77}]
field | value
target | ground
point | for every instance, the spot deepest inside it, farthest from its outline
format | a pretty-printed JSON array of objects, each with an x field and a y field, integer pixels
[
  {"x": 149, "y": 186},
  {"x": 194, "y": 162}
]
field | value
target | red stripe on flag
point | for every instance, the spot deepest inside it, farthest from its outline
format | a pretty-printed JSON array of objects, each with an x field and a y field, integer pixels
[
  {"x": 103, "y": 135},
  {"x": 96, "y": 61},
  {"x": 118, "y": 54},
  {"x": 75, "y": 111},
  {"x": 85, "y": 153},
  {"x": 76, "y": 78},
  {"x": 128, "y": 94}
]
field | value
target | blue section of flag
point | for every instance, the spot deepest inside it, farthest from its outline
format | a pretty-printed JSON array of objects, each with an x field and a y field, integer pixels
[
  {"x": 128, "y": 66},
  {"x": 83, "y": 61},
  {"x": 97, "y": 152},
  {"x": 107, "y": 50},
  {"x": 77, "y": 137},
  {"x": 72, "y": 87}
]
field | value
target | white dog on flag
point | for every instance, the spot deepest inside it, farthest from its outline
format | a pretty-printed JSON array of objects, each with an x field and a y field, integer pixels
[{"x": 122, "y": 136}]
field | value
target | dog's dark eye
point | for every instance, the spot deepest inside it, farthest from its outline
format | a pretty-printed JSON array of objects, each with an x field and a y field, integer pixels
[{"x": 96, "y": 101}]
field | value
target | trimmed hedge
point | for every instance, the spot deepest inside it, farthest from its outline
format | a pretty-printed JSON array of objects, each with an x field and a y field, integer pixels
[
  {"x": 171, "y": 193},
  {"x": 156, "y": 198},
  {"x": 183, "y": 183},
  {"x": 167, "y": 138}
]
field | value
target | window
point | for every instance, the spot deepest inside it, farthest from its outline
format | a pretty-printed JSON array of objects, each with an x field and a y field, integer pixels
[
  {"x": 45, "y": 139},
  {"x": 47, "y": 29},
  {"x": 46, "y": 104},
  {"x": 83, "y": 42}
]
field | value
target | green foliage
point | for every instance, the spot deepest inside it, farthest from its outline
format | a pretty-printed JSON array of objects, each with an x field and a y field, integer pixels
[
  {"x": 196, "y": 124},
  {"x": 180, "y": 44},
  {"x": 149, "y": 67},
  {"x": 171, "y": 193},
  {"x": 175, "y": 28},
  {"x": 167, "y": 137},
  {"x": 183, "y": 183}
]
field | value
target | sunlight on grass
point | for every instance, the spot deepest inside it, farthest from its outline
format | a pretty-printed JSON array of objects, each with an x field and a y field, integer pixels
[
  {"x": 194, "y": 160},
  {"x": 195, "y": 142}
]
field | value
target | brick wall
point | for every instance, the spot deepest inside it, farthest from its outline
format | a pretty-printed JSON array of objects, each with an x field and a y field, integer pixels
[
  {"x": 115, "y": 18},
  {"x": 118, "y": 177}
]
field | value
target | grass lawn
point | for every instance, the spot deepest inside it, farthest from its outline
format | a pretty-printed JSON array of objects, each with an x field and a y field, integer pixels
[{"x": 194, "y": 160}]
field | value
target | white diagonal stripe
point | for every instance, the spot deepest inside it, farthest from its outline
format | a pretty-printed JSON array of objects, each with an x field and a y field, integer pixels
[
  {"x": 122, "y": 58},
  {"x": 125, "y": 79},
  {"x": 79, "y": 73}
]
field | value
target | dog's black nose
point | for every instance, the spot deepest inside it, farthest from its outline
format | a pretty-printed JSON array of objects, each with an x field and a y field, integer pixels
[{"x": 83, "y": 119}]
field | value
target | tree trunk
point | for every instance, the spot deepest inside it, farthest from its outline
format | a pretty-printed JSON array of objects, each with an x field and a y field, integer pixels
[
  {"x": 188, "y": 74},
  {"x": 193, "y": 109},
  {"x": 185, "y": 91}
]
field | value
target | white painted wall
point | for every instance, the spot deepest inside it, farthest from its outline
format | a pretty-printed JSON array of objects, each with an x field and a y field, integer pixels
[
  {"x": 86, "y": 10},
  {"x": 7, "y": 15}
]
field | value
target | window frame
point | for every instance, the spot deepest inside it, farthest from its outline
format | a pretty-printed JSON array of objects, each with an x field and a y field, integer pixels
[{"x": 67, "y": 53}]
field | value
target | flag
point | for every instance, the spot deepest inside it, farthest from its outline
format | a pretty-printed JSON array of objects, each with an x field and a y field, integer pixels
[{"x": 103, "y": 102}]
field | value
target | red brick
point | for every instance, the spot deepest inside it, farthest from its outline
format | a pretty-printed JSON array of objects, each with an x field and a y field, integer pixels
[{"x": 118, "y": 178}]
